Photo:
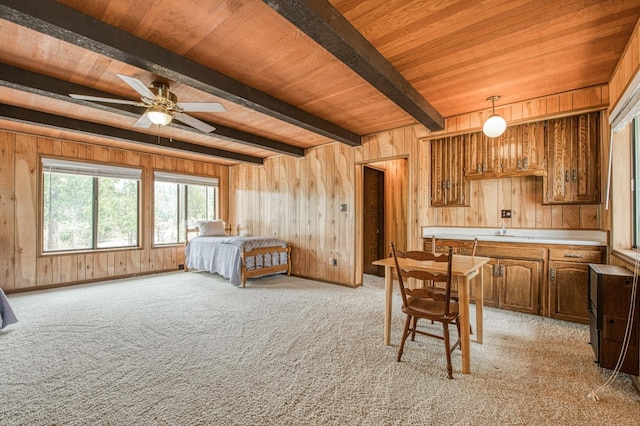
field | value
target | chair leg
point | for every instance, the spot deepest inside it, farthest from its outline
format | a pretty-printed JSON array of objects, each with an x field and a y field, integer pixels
[
  {"x": 404, "y": 336},
  {"x": 458, "y": 328},
  {"x": 414, "y": 324},
  {"x": 445, "y": 332}
]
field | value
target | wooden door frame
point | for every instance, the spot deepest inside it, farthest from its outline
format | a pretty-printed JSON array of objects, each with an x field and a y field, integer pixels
[{"x": 358, "y": 211}]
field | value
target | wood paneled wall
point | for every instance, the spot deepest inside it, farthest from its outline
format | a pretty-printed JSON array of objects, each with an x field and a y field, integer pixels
[
  {"x": 299, "y": 200},
  {"x": 523, "y": 196},
  {"x": 586, "y": 99},
  {"x": 22, "y": 267},
  {"x": 626, "y": 69}
]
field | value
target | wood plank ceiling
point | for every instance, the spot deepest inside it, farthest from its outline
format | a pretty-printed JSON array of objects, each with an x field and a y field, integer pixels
[{"x": 293, "y": 74}]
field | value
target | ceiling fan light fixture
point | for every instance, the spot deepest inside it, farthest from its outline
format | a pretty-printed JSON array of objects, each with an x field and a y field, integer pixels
[
  {"x": 495, "y": 124},
  {"x": 159, "y": 117}
]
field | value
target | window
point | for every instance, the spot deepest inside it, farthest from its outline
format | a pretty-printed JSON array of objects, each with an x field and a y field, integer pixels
[
  {"x": 624, "y": 169},
  {"x": 181, "y": 200},
  {"x": 89, "y": 206}
]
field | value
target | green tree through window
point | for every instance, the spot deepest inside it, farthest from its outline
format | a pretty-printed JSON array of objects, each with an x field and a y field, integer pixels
[
  {"x": 89, "y": 206},
  {"x": 181, "y": 200}
]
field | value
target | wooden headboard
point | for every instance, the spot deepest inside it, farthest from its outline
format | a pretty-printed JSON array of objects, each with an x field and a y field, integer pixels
[{"x": 227, "y": 229}]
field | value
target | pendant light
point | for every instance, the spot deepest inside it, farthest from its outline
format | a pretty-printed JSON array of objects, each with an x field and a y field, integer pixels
[{"x": 495, "y": 124}]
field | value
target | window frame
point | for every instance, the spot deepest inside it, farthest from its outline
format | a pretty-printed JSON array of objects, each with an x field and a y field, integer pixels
[
  {"x": 186, "y": 180},
  {"x": 96, "y": 170},
  {"x": 635, "y": 187}
]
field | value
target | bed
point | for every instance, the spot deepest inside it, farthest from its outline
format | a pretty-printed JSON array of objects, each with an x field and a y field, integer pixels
[{"x": 236, "y": 258}]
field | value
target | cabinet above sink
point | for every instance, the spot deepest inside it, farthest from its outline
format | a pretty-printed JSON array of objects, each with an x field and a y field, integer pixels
[{"x": 519, "y": 151}]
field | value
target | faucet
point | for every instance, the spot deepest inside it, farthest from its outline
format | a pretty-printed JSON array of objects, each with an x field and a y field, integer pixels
[{"x": 504, "y": 230}]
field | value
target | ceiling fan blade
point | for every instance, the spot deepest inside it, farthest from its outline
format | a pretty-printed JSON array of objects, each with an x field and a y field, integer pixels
[
  {"x": 201, "y": 106},
  {"x": 138, "y": 86},
  {"x": 99, "y": 99},
  {"x": 194, "y": 122},
  {"x": 143, "y": 122}
]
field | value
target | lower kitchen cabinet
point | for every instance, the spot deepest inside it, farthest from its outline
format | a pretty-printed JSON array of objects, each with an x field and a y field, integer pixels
[
  {"x": 568, "y": 288},
  {"x": 512, "y": 284},
  {"x": 514, "y": 278},
  {"x": 489, "y": 289},
  {"x": 569, "y": 282},
  {"x": 519, "y": 285}
]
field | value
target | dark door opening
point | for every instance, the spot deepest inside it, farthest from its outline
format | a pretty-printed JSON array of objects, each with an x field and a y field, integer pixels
[{"x": 373, "y": 220}]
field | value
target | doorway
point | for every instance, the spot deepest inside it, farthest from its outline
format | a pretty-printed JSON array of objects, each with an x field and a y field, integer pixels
[{"x": 373, "y": 220}]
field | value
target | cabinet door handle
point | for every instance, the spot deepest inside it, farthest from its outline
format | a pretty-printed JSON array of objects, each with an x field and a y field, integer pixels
[
  {"x": 501, "y": 270},
  {"x": 573, "y": 255},
  {"x": 484, "y": 167},
  {"x": 519, "y": 164},
  {"x": 495, "y": 270},
  {"x": 552, "y": 274},
  {"x": 525, "y": 163},
  {"x": 575, "y": 175},
  {"x": 566, "y": 176}
]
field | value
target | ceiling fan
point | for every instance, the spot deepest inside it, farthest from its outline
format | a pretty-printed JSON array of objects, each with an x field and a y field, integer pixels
[{"x": 161, "y": 104}]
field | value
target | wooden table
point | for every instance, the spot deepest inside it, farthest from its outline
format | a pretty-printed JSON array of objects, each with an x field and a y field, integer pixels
[{"x": 462, "y": 266}]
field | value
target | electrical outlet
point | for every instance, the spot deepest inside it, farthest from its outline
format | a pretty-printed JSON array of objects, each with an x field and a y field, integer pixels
[
  {"x": 343, "y": 207},
  {"x": 506, "y": 214},
  {"x": 334, "y": 262}
]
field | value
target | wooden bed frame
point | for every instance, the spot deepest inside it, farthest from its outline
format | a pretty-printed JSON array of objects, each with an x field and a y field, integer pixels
[{"x": 246, "y": 274}]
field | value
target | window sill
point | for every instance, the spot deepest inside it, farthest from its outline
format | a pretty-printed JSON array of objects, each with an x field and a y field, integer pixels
[
  {"x": 88, "y": 251},
  {"x": 629, "y": 256}
]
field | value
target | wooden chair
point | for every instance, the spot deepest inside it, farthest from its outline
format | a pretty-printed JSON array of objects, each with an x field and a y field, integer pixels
[
  {"x": 467, "y": 247},
  {"x": 418, "y": 304}
]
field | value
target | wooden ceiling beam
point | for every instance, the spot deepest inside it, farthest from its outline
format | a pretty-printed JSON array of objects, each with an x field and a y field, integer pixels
[
  {"x": 64, "y": 23},
  {"x": 38, "y": 84},
  {"x": 28, "y": 116},
  {"x": 324, "y": 24}
]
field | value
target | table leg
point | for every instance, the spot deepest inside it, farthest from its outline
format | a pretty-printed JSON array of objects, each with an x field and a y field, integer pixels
[
  {"x": 465, "y": 341},
  {"x": 388, "y": 294},
  {"x": 479, "y": 294}
]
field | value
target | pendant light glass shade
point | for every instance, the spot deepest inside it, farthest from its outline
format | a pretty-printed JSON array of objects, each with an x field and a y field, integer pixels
[
  {"x": 495, "y": 124},
  {"x": 159, "y": 117}
]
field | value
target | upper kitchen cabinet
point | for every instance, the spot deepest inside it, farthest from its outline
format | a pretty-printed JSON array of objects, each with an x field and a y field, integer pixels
[
  {"x": 572, "y": 154},
  {"x": 519, "y": 151},
  {"x": 529, "y": 156},
  {"x": 448, "y": 187},
  {"x": 481, "y": 156}
]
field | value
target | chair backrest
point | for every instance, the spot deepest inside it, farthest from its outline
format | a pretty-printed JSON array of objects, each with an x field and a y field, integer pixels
[
  {"x": 405, "y": 272},
  {"x": 458, "y": 244}
]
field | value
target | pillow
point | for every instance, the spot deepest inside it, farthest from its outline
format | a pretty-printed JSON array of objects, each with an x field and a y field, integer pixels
[{"x": 211, "y": 228}]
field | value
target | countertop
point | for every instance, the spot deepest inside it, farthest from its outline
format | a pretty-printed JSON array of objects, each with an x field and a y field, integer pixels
[{"x": 519, "y": 235}]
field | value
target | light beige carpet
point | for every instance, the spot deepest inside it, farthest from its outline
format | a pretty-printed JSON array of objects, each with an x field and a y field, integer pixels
[{"x": 191, "y": 349}]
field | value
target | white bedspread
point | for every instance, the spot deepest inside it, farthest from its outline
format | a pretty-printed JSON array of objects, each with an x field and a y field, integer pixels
[
  {"x": 222, "y": 255},
  {"x": 210, "y": 254}
]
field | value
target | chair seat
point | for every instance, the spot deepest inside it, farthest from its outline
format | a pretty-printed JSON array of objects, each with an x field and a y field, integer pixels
[
  {"x": 434, "y": 292},
  {"x": 431, "y": 309}
]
